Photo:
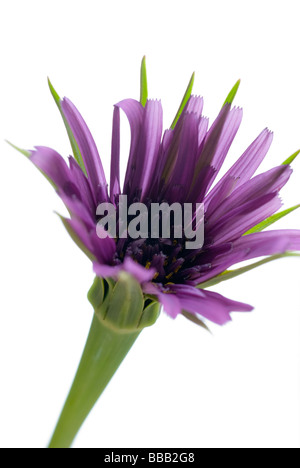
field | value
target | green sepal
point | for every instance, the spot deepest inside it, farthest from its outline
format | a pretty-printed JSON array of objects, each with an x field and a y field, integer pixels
[
  {"x": 75, "y": 148},
  {"x": 121, "y": 304},
  {"x": 291, "y": 158},
  {"x": 232, "y": 93},
  {"x": 229, "y": 274},
  {"x": 150, "y": 314},
  {"x": 185, "y": 99},
  {"x": 28, "y": 154},
  {"x": 96, "y": 293},
  {"x": 144, "y": 83},
  {"x": 193, "y": 318},
  {"x": 22, "y": 151},
  {"x": 271, "y": 220},
  {"x": 75, "y": 238},
  {"x": 126, "y": 303}
]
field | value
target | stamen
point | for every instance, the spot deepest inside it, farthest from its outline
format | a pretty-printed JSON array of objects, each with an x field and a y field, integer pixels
[
  {"x": 177, "y": 269},
  {"x": 170, "y": 275}
]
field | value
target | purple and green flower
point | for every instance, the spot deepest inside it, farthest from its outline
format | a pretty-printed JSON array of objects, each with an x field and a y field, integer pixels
[{"x": 136, "y": 276}]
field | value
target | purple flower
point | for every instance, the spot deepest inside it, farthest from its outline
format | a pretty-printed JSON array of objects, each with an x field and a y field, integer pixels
[{"x": 179, "y": 165}]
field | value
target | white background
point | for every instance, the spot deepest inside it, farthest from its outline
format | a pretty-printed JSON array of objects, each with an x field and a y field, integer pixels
[{"x": 180, "y": 386}]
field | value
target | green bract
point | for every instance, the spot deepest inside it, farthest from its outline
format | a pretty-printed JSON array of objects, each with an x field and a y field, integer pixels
[{"x": 121, "y": 305}]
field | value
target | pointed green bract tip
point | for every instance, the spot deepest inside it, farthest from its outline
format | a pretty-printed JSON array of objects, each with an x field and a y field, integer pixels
[
  {"x": 271, "y": 220},
  {"x": 22, "y": 151},
  {"x": 144, "y": 83},
  {"x": 73, "y": 142},
  {"x": 193, "y": 318},
  {"x": 291, "y": 158},
  {"x": 185, "y": 99},
  {"x": 150, "y": 315},
  {"x": 53, "y": 92},
  {"x": 75, "y": 238},
  {"x": 232, "y": 93}
]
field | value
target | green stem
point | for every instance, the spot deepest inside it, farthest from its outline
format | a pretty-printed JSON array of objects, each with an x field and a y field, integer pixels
[{"x": 104, "y": 351}]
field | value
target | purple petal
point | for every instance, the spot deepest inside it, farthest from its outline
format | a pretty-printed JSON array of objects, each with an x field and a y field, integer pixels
[
  {"x": 167, "y": 139},
  {"x": 170, "y": 148},
  {"x": 170, "y": 303},
  {"x": 77, "y": 208},
  {"x": 268, "y": 243},
  {"x": 251, "y": 159},
  {"x": 72, "y": 185},
  {"x": 87, "y": 148},
  {"x": 212, "y": 141},
  {"x": 170, "y": 153},
  {"x": 115, "y": 157},
  {"x": 148, "y": 148},
  {"x": 208, "y": 304},
  {"x": 238, "y": 221},
  {"x": 103, "y": 249},
  {"x": 53, "y": 165},
  {"x": 202, "y": 130},
  {"x": 244, "y": 168},
  {"x": 81, "y": 232},
  {"x": 268, "y": 182},
  {"x": 183, "y": 170},
  {"x": 252, "y": 246},
  {"x": 134, "y": 112},
  {"x": 140, "y": 273},
  {"x": 83, "y": 185},
  {"x": 194, "y": 105},
  {"x": 214, "y": 148},
  {"x": 218, "y": 266},
  {"x": 220, "y": 193},
  {"x": 229, "y": 132},
  {"x": 205, "y": 177},
  {"x": 106, "y": 271}
]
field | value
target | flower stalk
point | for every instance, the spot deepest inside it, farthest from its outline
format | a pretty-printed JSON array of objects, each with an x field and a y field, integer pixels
[{"x": 108, "y": 343}]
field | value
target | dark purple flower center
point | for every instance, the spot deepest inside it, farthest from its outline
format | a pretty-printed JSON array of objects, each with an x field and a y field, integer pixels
[{"x": 168, "y": 256}]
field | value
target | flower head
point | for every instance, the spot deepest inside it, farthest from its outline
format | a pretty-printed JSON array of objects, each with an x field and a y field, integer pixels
[{"x": 179, "y": 165}]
